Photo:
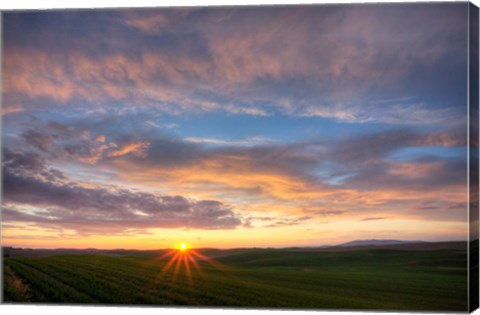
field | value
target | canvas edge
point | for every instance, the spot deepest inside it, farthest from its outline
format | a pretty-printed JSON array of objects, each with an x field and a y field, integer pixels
[
  {"x": 473, "y": 163},
  {"x": 472, "y": 145},
  {"x": 1, "y": 158}
]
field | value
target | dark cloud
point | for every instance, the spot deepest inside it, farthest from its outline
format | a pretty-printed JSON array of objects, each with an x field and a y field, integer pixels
[
  {"x": 417, "y": 175},
  {"x": 439, "y": 210},
  {"x": 171, "y": 152},
  {"x": 27, "y": 163},
  {"x": 40, "y": 140},
  {"x": 71, "y": 205},
  {"x": 374, "y": 218},
  {"x": 288, "y": 222},
  {"x": 59, "y": 141},
  {"x": 325, "y": 212},
  {"x": 23, "y": 161},
  {"x": 364, "y": 150}
]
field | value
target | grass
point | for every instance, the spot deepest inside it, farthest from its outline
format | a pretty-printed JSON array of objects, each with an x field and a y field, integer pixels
[{"x": 375, "y": 279}]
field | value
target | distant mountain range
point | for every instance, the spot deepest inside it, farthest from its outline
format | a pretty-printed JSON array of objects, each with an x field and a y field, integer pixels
[{"x": 376, "y": 243}]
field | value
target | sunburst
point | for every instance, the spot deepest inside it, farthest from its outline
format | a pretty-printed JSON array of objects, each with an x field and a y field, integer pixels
[{"x": 182, "y": 258}]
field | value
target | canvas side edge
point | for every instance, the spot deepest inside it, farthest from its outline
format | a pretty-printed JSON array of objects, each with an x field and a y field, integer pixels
[
  {"x": 473, "y": 165},
  {"x": 1, "y": 158}
]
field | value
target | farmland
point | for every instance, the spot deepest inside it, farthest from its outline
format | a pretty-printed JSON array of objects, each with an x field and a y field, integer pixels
[{"x": 394, "y": 278}]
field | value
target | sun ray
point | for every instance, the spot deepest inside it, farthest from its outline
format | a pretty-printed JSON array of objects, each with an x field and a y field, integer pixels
[
  {"x": 195, "y": 264},
  {"x": 177, "y": 266},
  {"x": 181, "y": 259},
  {"x": 209, "y": 260},
  {"x": 171, "y": 262},
  {"x": 167, "y": 254},
  {"x": 187, "y": 269}
]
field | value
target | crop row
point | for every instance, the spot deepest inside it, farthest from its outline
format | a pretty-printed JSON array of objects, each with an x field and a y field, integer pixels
[{"x": 128, "y": 280}]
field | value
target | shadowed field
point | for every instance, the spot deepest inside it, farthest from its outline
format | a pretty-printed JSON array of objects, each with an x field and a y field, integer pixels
[{"x": 403, "y": 278}]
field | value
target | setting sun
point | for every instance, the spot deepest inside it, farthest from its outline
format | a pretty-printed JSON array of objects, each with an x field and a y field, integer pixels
[{"x": 183, "y": 247}]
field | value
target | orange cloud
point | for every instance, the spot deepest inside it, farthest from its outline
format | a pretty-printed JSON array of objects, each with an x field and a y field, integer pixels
[
  {"x": 11, "y": 109},
  {"x": 136, "y": 149},
  {"x": 274, "y": 192},
  {"x": 444, "y": 139},
  {"x": 100, "y": 138},
  {"x": 415, "y": 170}
]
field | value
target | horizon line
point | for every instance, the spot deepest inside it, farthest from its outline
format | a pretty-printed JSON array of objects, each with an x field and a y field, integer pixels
[{"x": 246, "y": 247}]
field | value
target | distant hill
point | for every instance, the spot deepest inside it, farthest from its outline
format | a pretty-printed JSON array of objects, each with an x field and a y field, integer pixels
[
  {"x": 374, "y": 242},
  {"x": 358, "y": 245}
]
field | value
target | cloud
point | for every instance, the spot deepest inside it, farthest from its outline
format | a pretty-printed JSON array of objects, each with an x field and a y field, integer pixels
[
  {"x": 254, "y": 176},
  {"x": 234, "y": 60},
  {"x": 8, "y": 109},
  {"x": 239, "y": 110},
  {"x": 42, "y": 141},
  {"x": 290, "y": 178},
  {"x": 374, "y": 218},
  {"x": 288, "y": 222},
  {"x": 136, "y": 149},
  {"x": 23, "y": 162},
  {"x": 100, "y": 138},
  {"x": 27, "y": 180},
  {"x": 147, "y": 21},
  {"x": 58, "y": 141},
  {"x": 324, "y": 213},
  {"x": 407, "y": 113},
  {"x": 364, "y": 150},
  {"x": 438, "y": 210},
  {"x": 421, "y": 175},
  {"x": 249, "y": 142},
  {"x": 334, "y": 162}
]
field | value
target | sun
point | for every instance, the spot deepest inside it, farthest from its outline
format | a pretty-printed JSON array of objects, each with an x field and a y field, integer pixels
[{"x": 183, "y": 247}]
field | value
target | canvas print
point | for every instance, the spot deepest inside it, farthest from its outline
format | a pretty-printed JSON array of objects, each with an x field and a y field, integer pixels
[{"x": 283, "y": 157}]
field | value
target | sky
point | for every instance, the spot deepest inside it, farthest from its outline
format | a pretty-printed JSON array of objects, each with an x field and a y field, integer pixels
[{"x": 234, "y": 126}]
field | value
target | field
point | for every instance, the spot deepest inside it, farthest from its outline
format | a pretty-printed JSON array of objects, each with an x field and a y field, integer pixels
[{"x": 423, "y": 277}]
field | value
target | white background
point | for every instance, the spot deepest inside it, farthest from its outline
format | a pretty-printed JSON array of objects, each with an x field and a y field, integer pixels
[{"x": 81, "y": 310}]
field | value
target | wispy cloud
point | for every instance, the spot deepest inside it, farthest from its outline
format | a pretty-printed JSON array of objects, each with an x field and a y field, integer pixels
[
  {"x": 215, "y": 60},
  {"x": 253, "y": 141},
  {"x": 374, "y": 218},
  {"x": 398, "y": 114}
]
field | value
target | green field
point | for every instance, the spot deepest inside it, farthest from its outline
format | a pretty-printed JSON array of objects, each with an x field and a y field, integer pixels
[{"x": 365, "y": 278}]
